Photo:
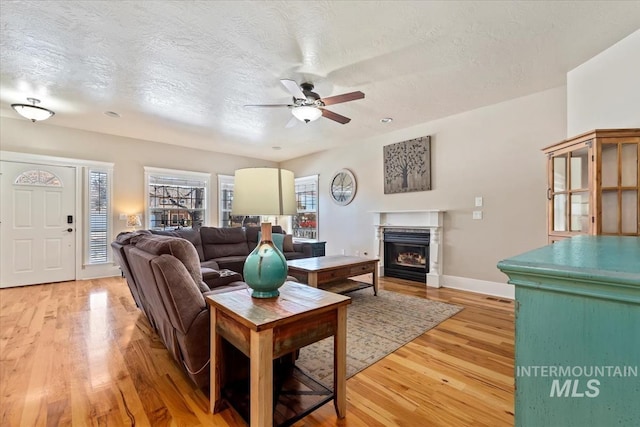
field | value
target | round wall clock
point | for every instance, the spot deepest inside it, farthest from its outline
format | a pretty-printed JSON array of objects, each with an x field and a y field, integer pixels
[{"x": 343, "y": 187}]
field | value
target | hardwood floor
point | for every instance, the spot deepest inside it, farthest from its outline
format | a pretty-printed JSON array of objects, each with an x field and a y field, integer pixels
[{"x": 80, "y": 353}]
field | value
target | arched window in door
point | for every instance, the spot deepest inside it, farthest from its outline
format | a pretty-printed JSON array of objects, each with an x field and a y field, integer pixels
[{"x": 38, "y": 177}]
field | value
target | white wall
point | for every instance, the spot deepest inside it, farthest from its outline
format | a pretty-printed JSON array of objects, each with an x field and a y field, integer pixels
[
  {"x": 604, "y": 92},
  {"x": 129, "y": 157},
  {"x": 493, "y": 152}
]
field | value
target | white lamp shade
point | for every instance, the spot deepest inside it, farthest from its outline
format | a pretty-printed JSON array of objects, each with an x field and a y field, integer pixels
[
  {"x": 306, "y": 114},
  {"x": 264, "y": 191},
  {"x": 134, "y": 221}
]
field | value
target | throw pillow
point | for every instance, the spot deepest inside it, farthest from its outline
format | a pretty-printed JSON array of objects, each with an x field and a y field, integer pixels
[
  {"x": 276, "y": 238},
  {"x": 287, "y": 244},
  {"x": 176, "y": 246}
]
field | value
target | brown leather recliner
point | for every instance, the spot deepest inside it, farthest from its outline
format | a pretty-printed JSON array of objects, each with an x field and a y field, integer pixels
[{"x": 168, "y": 277}]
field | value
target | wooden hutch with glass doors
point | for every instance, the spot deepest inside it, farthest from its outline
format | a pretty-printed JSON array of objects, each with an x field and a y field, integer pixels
[{"x": 594, "y": 184}]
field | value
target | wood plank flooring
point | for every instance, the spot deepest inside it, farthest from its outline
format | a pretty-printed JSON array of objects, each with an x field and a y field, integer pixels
[{"x": 81, "y": 354}]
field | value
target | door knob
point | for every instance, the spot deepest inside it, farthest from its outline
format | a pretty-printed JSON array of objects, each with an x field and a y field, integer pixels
[{"x": 69, "y": 230}]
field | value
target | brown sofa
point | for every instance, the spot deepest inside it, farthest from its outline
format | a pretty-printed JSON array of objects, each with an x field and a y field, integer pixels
[
  {"x": 214, "y": 277},
  {"x": 228, "y": 248},
  {"x": 166, "y": 282},
  {"x": 165, "y": 276}
]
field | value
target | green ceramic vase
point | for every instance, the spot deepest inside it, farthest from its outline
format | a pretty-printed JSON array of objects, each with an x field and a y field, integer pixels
[{"x": 265, "y": 270}]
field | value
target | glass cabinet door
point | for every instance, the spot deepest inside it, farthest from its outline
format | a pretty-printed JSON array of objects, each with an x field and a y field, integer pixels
[
  {"x": 579, "y": 190},
  {"x": 629, "y": 188},
  {"x": 619, "y": 186},
  {"x": 559, "y": 196},
  {"x": 569, "y": 193}
]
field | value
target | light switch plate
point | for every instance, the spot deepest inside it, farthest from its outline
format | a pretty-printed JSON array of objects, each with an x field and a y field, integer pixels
[
  {"x": 478, "y": 201},
  {"x": 123, "y": 217},
  {"x": 477, "y": 214}
]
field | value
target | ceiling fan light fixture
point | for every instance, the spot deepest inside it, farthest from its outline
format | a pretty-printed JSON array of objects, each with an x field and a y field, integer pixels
[
  {"x": 32, "y": 111},
  {"x": 306, "y": 113}
]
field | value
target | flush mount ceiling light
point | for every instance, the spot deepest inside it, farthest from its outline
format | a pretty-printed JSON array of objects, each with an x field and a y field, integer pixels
[
  {"x": 306, "y": 113},
  {"x": 32, "y": 111}
]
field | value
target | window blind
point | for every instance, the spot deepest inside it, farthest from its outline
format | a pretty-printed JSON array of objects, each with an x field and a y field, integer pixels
[{"x": 98, "y": 216}]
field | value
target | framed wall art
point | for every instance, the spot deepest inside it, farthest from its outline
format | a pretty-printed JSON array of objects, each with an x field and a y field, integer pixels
[{"x": 407, "y": 166}]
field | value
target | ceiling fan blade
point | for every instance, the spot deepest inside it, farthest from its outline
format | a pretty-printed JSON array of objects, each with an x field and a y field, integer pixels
[
  {"x": 345, "y": 97},
  {"x": 293, "y": 88},
  {"x": 268, "y": 105},
  {"x": 335, "y": 116}
]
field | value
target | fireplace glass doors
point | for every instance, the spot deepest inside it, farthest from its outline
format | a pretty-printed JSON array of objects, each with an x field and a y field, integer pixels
[{"x": 406, "y": 255}]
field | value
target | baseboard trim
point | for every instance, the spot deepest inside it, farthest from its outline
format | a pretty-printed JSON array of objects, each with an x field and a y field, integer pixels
[
  {"x": 503, "y": 290},
  {"x": 99, "y": 271}
]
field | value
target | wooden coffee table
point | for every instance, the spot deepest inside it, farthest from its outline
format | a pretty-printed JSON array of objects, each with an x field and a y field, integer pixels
[{"x": 333, "y": 273}]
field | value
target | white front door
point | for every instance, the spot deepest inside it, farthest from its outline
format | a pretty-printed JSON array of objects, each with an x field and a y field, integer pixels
[{"x": 37, "y": 230}]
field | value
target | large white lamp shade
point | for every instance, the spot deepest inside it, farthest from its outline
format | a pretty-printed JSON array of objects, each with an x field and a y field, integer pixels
[{"x": 264, "y": 191}]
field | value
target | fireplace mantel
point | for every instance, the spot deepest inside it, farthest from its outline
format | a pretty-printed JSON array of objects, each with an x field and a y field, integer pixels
[{"x": 431, "y": 220}]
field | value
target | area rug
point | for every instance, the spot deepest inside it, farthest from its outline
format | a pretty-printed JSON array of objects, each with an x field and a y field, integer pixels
[{"x": 376, "y": 327}]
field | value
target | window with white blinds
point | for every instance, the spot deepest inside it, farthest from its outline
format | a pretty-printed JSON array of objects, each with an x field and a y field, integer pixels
[{"x": 99, "y": 211}]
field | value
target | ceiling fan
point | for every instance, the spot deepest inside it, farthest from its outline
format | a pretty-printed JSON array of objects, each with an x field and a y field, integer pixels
[{"x": 307, "y": 105}]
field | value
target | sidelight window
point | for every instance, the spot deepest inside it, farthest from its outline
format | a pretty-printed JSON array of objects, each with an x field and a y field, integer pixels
[{"x": 99, "y": 214}]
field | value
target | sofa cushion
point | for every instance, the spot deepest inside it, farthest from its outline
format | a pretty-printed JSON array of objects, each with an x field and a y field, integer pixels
[
  {"x": 233, "y": 263},
  {"x": 176, "y": 246},
  {"x": 223, "y": 242},
  {"x": 209, "y": 276},
  {"x": 287, "y": 244},
  {"x": 210, "y": 264},
  {"x": 190, "y": 234},
  {"x": 209, "y": 273},
  {"x": 226, "y": 277},
  {"x": 183, "y": 301}
]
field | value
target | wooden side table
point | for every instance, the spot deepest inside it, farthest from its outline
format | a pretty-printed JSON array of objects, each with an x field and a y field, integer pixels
[{"x": 266, "y": 329}]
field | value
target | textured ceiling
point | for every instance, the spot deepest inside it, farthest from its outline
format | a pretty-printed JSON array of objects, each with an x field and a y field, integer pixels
[{"x": 180, "y": 72}]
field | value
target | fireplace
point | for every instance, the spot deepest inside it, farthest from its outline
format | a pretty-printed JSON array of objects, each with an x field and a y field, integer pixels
[
  {"x": 429, "y": 223},
  {"x": 406, "y": 254}
]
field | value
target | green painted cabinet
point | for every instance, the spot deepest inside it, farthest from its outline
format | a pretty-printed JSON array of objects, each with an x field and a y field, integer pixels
[{"x": 577, "y": 351}]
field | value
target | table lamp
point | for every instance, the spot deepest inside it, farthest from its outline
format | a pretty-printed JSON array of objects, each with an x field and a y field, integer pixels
[
  {"x": 264, "y": 191},
  {"x": 134, "y": 221}
]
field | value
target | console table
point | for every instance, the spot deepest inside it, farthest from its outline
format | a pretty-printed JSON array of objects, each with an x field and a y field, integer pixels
[
  {"x": 317, "y": 247},
  {"x": 266, "y": 329},
  {"x": 577, "y": 347}
]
